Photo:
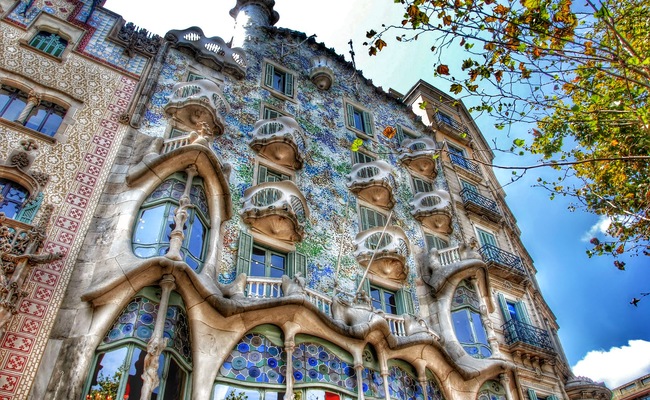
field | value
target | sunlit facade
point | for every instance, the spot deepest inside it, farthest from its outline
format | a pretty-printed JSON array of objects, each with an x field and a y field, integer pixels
[{"x": 189, "y": 218}]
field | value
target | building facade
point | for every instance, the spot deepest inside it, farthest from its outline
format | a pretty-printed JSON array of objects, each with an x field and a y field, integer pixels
[
  {"x": 190, "y": 218},
  {"x": 638, "y": 389}
]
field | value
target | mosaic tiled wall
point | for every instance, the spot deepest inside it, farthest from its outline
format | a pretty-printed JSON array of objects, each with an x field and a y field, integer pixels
[
  {"x": 77, "y": 175},
  {"x": 327, "y": 160}
]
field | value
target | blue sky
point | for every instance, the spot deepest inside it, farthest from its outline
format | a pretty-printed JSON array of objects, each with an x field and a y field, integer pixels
[{"x": 604, "y": 337}]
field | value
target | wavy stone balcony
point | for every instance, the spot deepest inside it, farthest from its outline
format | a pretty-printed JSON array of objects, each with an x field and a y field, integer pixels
[
  {"x": 481, "y": 205},
  {"x": 452, "y": 127},
  {"x": 276, "y": 209},
  {"x": 198, "y": 104},
  {"x": 212, "y": 52},
  {"x": 433, "y": 210},
  {"x": 390, "y": 251},
  {"x": 280, "y": 140},
  {"x": 503, "y": 263},
  {"x": 527, "y": 339},
  {"x": 418, "y": 155},
  {"x": 373, "y": 182}
]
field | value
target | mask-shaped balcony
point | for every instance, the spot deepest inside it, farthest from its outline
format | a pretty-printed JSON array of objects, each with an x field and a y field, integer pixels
[
  {"x": 280, "y": 140},
  {"x": 373, "y": 182},
  {"x": 433, "y": 210},
  {"x": 198, "y": 104},
  {"x": 390, "y": 252},
  {"x": 481, "y": 205},
  {"x": 276, "y": 209},
  {"x": 503, "y": 263},
  {"x": 418, "y": 156}
]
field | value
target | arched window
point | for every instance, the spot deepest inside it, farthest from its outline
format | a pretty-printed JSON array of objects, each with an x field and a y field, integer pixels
[
  {"x": 466, "y": 316},
  {"x": 119, "y": 359},
  {"x": 14, "y": 198},
  {"x": 155, "y": 221},
  {"x": 49, "y": 43},
  {"x": 12, "y": 102},
  {"x": 46, "y": 117},
  {"x": 491, "y": 390}
]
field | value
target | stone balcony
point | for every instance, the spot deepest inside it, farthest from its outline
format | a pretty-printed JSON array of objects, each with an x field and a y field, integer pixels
[
  {"x": 212, "y": 52},
  {"x": 528, "y": 340},
  {"x": 433, "y": 210},
  {"x": 276, "y": 209},
  {"x": 386, "y": 255},
  {"x": 481, "y": 205},
  {"x": 199, "y": 105},
  {"x": 373, "y": 182},
  {"x": 504, "y": 264},
  {"x": 452, "y": 127},
  {"x": 418, "y": 155},
  {"x": 280, "y": 140}
]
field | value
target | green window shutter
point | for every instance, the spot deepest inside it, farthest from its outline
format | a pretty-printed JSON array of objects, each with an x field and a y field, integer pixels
[
  {"x": 244, "y": 252},
  {"x": 486, "y": 238},
  {"x": 436, "y": 242},
  {"x": 367, "y": 123},
  {"x": 532, "y": 395},
  {"x": 520, "y": 307},
  {"x": 268, "y": 78},
  {"x": 504, "y": 307},
  {"x": 261, "y": 174},
  {"x": 364, "y": 218},
  {"x": 350, "y": 115},
  {"x": 288, "y": 84},
  {"x": 552, "y": 397},
  {"x": 399, "y": 136},
  {"x": 296, "y": 262},
  {"x": 28, "y": 212},
  {"x": 365, "y": 286},
  {"x": 404, "y": 302}
]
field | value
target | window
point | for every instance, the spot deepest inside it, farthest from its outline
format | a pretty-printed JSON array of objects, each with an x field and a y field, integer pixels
[
  {"x": 12, "y": 102},
  {"x": 403, "y": 133},
  {"x": 14, "y": 198},
  {"x": 155, "y": 222},
  {"x": 174, "y": 133},
  {"x": 270, "y": 113},
  {"x": 359, "y": 157},
  {"x": 257, "y": 260},
  {"x": 486, "y": 238},
  {"x": 513, "y": 310},
  {"x": 435, "y": 242},
  {"x": 445, "y": 118},
  {"x": 265, "y": 174},
  {"x": 492, "y": 390},
  {"x": 119, "y": 360},
  {"x": 265, "y": 262},
  {"x": 46, "y": 118},
  {"x": 468, "y": 326},
  {"x": 422, "y": 186},
  {"x": 49, "y": 43},
  {"x": 279, "y": 80},
  {"x": 371, "y": 218},
  {"x": 383, "y": 299},
  {"x": 457, "y": 156},
  {"x": 469, "y": 186},
  {"x": 532, "y": 395},
  {"x": 358, "y": 119}
]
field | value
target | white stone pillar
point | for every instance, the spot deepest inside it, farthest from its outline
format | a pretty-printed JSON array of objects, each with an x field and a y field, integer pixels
[
  {"x": 289, "y": 347},
  {"x": 505, "y": 382},
  {"x": 359, "y": 371}
]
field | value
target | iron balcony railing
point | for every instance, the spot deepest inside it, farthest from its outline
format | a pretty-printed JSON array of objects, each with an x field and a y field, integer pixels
[
  {"x": 471, "y": 196},
  {"x": 454, "y": 125},
  {"x": 465, "y": 163},
  {"x": 521, "y": 332},
  {"x": 494, "y": 255}
]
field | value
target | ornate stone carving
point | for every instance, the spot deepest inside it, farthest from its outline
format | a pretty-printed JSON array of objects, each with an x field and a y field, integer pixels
[
  {"x": 138, "y": 39},
  {"x": 293, "y": 286}
]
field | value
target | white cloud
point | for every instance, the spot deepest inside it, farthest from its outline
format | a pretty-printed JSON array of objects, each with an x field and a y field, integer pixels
[
  {"x": 600, "y": 227},
  {"x": 616, "y": 366}
]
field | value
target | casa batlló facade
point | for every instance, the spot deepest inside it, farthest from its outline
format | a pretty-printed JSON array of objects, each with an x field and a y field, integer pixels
[{"x": 186, "y": 218}]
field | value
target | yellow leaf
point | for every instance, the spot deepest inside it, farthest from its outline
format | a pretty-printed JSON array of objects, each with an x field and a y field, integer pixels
[{"x": 389, "y": 132}]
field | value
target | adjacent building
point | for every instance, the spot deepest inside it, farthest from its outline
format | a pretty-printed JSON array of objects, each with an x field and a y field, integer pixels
[{"x": 192, "y": 218}]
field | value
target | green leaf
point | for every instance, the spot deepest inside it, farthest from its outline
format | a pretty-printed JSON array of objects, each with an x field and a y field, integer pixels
[{"x": 519, "y": 142}]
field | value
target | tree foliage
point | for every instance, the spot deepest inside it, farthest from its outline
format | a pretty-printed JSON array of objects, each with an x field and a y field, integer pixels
[{"x": 579, "y": 73}]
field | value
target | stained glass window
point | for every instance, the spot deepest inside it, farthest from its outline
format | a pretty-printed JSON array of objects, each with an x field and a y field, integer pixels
[
  {"x": 50, "y": 43},
  {"x": 256, "y": 359},
  {"x": 119, "y": 361},
  {"x": 402, "y": 385},
  {"x": 155, "y": 222},
  {"x": 468, "y": 326},
  {"x": 314, "y": 363},
  {"x": 491, "y": 390}
]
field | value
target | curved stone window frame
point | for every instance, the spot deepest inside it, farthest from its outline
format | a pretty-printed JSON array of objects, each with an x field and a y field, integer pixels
[
  {"x": 466, "y": 315},
  {"x": 124, "y": 358},
  {"x": 162, "y": 210}
]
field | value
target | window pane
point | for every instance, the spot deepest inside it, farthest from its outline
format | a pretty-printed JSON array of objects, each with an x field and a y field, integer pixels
[
  {"x": 278, "y": 80},
  {"x": 513, "y": 311},
  {"x": 134, "y": 379},
  {"x": 11, "y": 106},
  {"x": 277, "y": 265},
  {"x": 390, "y": 303},
  {"x": 106, "y": 370},
  {"x": 51, "y": 124},
  {"x": 36, "y": 119},
  {"x": 196, "y": 237},
  {"x": 375, "y": 294},
  {"x": 479, "y": 330},
  {"x": 222, "y": 391},
  {"x": 175, "y": 383},
  {"x": 462, "y": 326},
  {"x": 147, "y": 230},
  {"x": 257, "y": 262},
  {"x": 358, "y": 120}
]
